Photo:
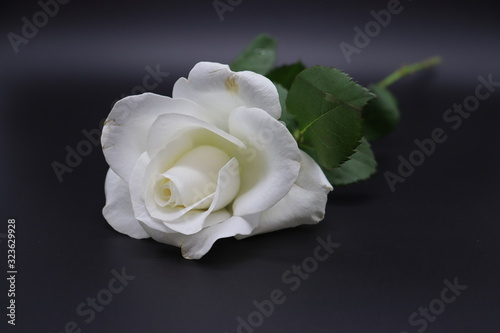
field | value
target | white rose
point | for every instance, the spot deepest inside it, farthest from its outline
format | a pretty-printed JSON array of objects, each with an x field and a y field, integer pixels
[{"x": 211, "y": 162}]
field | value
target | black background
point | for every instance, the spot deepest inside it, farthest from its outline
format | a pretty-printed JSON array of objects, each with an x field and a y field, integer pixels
[{"x": 396, "y": 248}]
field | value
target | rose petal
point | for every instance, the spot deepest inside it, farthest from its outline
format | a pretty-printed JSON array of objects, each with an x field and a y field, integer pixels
[
  {"x": 304, "y": 204},
  {"x": 269, "y": 166},
  {"x": 189, "y": 220},
  {"x": 186, "y": 129},
  {"x": 219, "y": 90},
  {"x": 194, "y": 175},
  {"x": 125, "y": 131},
  {"x": 197, "y": 245},
  {"x": 196, "y": 220},
  {"x": 143, "y": 177},
  {"x": 228, "y": 184},
  {"x": 154, "y": 227},
  {"x": 137, "y": 186},
  {"x": 143, "y": 181},
  {"x": 144, "y": 205},
  {"x": 162, "y": 234},
  {"x": 118, "y": 209}
]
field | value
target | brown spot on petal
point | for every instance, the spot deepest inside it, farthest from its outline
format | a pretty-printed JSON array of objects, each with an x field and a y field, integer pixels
[
  {"x": 231, "y": 85},
  {"x": 111, "y": 122}
]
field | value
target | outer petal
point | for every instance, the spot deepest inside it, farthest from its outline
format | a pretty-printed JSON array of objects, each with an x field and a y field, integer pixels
[
  {"x": 118, "y": 209},
  {"x": 304, "y": 204},
  {"x": 125, "y": 131},
  {"x": 269, "y": 166},
  {"x": 162, "y": 234},
  {"x": 219, "y": 90},
  {"x": 197, "y": 245}
]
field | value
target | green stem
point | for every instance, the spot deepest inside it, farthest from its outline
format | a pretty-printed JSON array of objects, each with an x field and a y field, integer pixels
[{"x": 409, "y": 69}]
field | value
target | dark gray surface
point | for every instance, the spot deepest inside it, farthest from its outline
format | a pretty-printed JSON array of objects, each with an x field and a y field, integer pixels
[{"x": 396, "y": 248}]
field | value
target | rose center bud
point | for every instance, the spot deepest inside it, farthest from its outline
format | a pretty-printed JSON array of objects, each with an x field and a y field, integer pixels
[{"x": 192, "y": 179}]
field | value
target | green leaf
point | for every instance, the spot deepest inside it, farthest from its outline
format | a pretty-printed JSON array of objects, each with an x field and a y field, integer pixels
[
  {"x": 327, "y": 106},
  {"x": 286, "y": 116},
  {"x": 258, "y": 57},
  {"x": 285, "y": 75},
  {"x": 381, "y": 115},
  {"x": 359, "y": 167}
]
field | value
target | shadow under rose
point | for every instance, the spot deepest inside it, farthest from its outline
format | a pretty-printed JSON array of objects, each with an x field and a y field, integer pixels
[{"x": 351, "y": 198}]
